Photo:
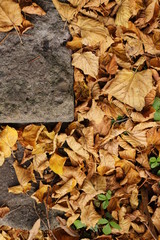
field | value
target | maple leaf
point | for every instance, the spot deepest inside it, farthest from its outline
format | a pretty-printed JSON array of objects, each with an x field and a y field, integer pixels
[
  {"x": 87, "y": 62},
  {"x": 131, "y": 88},
  {"x": 10, "y": 15}
]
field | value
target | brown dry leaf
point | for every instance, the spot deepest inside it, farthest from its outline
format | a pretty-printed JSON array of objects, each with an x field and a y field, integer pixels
[
  {"x": 75, "y": 44},
  {"x": 40, "y": 163},
  {"x": 8, "y": 138},
  {"x": 156, "y": 219},
  {"x": 20, "y": 189},
  {"x": 112, "y": 66},
  {"x": 132, "y": 177},
  {"x": 150, "y": 10},
  {"x": 92, "y": 32},
  {"x": 34, "y": 9},
  {"x": 66, "y": 12},
  {"x": 131, "y": 88},
  {"x": 124, "y": 221},
  {"x": 30, "y": 134},
  {"x": 4, "y": 211},
  {"x": 10, "y": 15},
  {"x": 77, "y": 147},
  {"x": 134, "y": 198},
  {"x": 74, "y": 157},
  {"x": 153, "y": 136},
  {"x": 56, "y": 163},
  {"x": 66, "y": 188},
  {"x": 89, "y": 216},
  {"x": 87, "y": 62},
  {"x": 24, "y": 175},
  {"x": 139, "y": 228},
  {"x": 142, "y": 159},
  {"x": 34, "y": 230},
  {"x": 124, "y": 13},
  {"x": 41, "y": 193},
  {"x": 71, "y": 172},
  {"x": 72, "y": 219},
  {"x": 107, "y": 163}
]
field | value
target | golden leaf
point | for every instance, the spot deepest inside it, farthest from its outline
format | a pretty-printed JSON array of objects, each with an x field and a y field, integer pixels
[
  {"x": 153, "y": 136},
  {"x": 20, "y": 189},
  {"x": 31, "y": 133},
  {"x": 34, "y": 9},
  {"x": 75, "y": 44},
  {"x": 56, "y": 163},
  {"x": 4, "y": 211},
  {"x": 124, "y": 221},
  {"x": 134, "y": 198},
  {"x": 128, "y": 154},
  {"x": 71, "y": 172},
  {"x": 24, "y": 175},
  {"x": 25, "y": 26},
  {"x": 124, "y": 13},
  {"x": 41, "y": 193},
  {"x": 131, "y": 88},
  {"x": 87, "y": 62},
  {"x": 132, "y": 177},
  {"x": 10, "y": 15},
  {"x": 142, "y": 159},
  {"x": 89, "y": 216},
  {"x": 65, "y": 10},
  {"x": 8, "y": 138},
  {"x": 66, "y": 188}
]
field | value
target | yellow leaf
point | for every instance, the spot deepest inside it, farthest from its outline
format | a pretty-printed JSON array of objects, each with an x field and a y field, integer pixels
[
  {"x": 87, "y": 62},
  {"x": 66, "y": 188},
  {"x": 8, "y": 138},
  {"x": 131, "y": 88},
  {"x": 20, "y": 189},
  {"x": 56, "y": 163},
  {"x": 10, "y": 15},
  {"x": 24, "y": 175},
  {"x": 31, "y": 133},
  {"x": 107, "y": 162},
  {"x": 89, "y": 216},
  {"x": 34, "y": 9},
  {"x": 41, "y": 193},
  {"x": 65, "y": 10},
  {"x": 124, "y": 13}
]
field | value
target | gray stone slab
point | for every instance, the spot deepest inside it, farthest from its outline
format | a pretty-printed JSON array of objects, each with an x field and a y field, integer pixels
[
  {"x": 36, "y": 78},
  {"x": 23, "y": 209}
]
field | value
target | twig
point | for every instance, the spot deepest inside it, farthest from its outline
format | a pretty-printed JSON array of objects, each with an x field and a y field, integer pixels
[
  {"x": 4, "y": 38},
  {"x": 32, "y": 60}
]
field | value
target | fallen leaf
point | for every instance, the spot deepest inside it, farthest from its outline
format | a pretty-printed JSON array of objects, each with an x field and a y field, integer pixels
[
  {"x": 124, "y": 13},
  {"x": 41, "y": 193},
  {"x": 24, "y": 175},
  {"x": 66, "y": 12},
  {"x": 56, "y": 163},
  {"x": 4, "y": 211},
  {"x": 34, "y": 8},
  {"x": 8, "y": 138},
  {"x": 20, "y": 189},
  {"x": 87, "y": 62},
  {"x": 131, "y": 88},
  {"x": 10, "y": 15},
  {"x": 139, "y": 228},
  {"x": 89, "y": 216},
  {"x": 66, "y": 188},
  {"x": 34, "y": 230}
]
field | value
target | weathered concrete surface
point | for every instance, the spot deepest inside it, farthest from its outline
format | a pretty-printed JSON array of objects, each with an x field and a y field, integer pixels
[
  {"x": 36, "y": 78},
  {"x": 23, "y": 209}
]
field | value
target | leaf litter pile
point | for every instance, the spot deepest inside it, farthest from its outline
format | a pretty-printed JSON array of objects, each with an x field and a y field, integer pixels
[{"x": 103, "y": 170}]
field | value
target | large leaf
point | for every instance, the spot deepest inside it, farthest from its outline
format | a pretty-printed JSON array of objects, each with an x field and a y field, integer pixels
[
  {"x": 10, "y": 15},
  {"x": 87, "y": 62},
  {"x": 56, "y": 163},
  {"x": 131, "y": 87}
]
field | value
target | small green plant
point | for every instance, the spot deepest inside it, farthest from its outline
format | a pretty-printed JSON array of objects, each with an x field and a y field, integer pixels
[
  {"x": 155, "y": 163},
  {"x": 78, "y": 224},
  {"x": 156, "y": 106},
  {"x": 108, "y": 225},
  {"x": 104, "y": 198}
]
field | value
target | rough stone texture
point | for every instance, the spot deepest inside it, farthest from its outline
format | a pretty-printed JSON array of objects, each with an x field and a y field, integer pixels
[
  {"x": 23, "y": 209},
  {"x": 36, "y": 78}
]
